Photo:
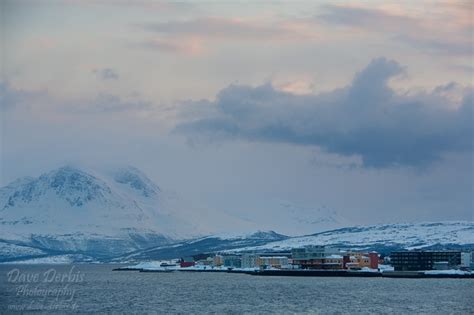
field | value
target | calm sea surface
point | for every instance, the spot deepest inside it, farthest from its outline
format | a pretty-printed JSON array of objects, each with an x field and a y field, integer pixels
[{"x": 97, "y": 289}]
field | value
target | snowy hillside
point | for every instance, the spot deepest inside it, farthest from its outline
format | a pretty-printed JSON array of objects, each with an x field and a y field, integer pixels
[
  {"x": 209, "y": 244},
  {"x": 408, "y": 236}
]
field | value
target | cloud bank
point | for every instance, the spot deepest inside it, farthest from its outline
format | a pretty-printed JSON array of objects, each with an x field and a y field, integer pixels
[
  {"x": 366, "y": 119},
  {"x": 415, "y": 28}
]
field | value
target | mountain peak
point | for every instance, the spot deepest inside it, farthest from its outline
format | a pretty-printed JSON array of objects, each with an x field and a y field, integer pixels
[
  {"x": 67, "y": 171},
  {"x": 71, "y": 184},
  {"x": 75, "y": 185},
  {"x": 137, "y": 180}
]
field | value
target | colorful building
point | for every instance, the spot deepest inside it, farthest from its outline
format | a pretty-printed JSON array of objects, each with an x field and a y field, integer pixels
[
  {"x": 272, "y": 261},
  {"x": 322, "y": 257},
  {"x": 359, "y": 260}
]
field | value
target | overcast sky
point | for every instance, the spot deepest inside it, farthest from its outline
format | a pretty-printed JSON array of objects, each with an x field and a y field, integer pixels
[{"x": 364, "y": 107}]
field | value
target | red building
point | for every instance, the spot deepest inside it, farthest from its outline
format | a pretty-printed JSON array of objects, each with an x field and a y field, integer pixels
[
  {"x": 187, "y": 262},
  {"x": 345, "y": 261},
  {"x": 374, "y": 260}
]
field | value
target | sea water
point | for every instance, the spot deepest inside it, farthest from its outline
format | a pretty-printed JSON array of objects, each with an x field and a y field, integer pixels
[{"x": 82, "y": 288}]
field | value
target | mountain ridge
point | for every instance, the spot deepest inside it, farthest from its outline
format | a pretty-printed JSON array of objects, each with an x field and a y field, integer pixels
[
  {"x": 450, "y": 235},
  {"x": 395, "y": 235}
]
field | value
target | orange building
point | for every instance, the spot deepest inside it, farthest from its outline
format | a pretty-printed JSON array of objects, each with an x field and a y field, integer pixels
[{"x": 359, "y": 260}]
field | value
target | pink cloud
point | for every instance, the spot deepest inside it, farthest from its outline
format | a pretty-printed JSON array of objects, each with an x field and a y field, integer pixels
[
  {"x": 187, "y": 45},
  {"x": 197, "y": 35}
]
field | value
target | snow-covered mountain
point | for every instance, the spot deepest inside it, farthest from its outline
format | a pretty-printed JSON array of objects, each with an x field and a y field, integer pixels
[
  {"x": 70, "y": 200},
  {"x": 293, "y": 219},
  {"x": 73, "y": 210},
  {"x": 450, "y": 234}
]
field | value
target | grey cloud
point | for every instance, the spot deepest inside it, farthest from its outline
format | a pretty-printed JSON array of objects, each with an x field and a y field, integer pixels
[
  {"x": 366, "y": 119},
  {"x": 112, "y": 103},
  {"x": 364, "y": 17},
  {"x": 446, "y": 87},
  {"x": 104, "y": 104},
  {"x": 437, "y": 46},
  {"x": 8, "y": 97},
  {"x": 463, "y": 68},
  {"x": 106, "y": 74},
  {"x": 11, "y": 98}
]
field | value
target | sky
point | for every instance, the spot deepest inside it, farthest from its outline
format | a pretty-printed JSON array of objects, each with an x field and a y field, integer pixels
[{"x": 363, "y": 107}]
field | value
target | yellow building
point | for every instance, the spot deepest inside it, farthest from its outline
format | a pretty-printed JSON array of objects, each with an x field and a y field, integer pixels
[
  {"x": 218, "y": 260},
  {"x": 333, "y": 262},
  {"x": 274, "y": 261},
  {"x": 358, "y": 260}
]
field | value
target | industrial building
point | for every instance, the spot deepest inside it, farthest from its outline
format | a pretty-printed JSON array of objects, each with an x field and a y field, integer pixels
[{"x": 425, "y": 260}]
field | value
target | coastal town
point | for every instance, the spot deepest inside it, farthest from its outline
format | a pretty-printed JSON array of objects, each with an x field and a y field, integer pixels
[{"x": 319, "y": 260}]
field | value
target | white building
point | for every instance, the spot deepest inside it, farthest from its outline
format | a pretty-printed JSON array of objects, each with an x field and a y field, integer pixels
[
  {"x": 249, "y": 261},
  {"x": 466, "y": 259}
]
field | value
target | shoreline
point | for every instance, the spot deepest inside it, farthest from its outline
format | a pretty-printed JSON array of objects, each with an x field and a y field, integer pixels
[
  {"x": 361, "y": 274},
  {"x": 316, "y": 273}
]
